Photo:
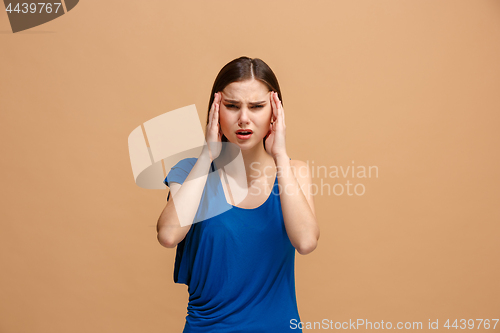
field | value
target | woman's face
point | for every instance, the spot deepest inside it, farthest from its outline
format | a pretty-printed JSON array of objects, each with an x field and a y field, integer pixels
[{"x": 245, "y": 105}]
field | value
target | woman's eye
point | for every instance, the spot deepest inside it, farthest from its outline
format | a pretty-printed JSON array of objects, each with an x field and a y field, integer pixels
[{"x": 232, "y": 106}]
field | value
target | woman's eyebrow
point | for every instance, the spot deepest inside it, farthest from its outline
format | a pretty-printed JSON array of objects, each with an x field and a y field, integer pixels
[{"x": 237, "y": 102}]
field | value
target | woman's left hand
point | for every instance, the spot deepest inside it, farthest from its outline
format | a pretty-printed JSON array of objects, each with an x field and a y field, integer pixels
[{"x": 275, "y": 142}]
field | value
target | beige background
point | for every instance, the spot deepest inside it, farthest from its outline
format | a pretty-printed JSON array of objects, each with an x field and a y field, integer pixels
[{"x": 408, "y": 86}]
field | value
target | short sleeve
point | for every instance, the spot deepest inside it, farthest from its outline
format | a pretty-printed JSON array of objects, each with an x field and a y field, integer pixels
[{"x": 179, "y": 172}]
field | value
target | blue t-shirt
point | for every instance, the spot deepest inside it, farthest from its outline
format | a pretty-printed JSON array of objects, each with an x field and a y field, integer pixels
[{"x": 238, "y": 263}]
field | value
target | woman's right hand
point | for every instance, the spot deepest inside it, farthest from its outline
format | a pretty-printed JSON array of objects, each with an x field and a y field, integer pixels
[{"x": 213, "y": 133}]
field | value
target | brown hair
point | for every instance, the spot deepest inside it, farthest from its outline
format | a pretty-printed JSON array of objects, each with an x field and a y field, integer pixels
[{"x": 242, "y": 69}]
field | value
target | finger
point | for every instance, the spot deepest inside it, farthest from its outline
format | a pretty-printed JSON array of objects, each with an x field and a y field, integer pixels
[
  {"x": 217, "y": 98},
  {"x": 278, "y": 111},
  {"x": 278, "y": 105},
  {"x": 215, "y": 115},
  {"x": 271, "y": 101},
  {"x": 282, "y": 111},
  {"x": 279, "y": 108},
  {"x": 211, "y": 114},
  {"x": 216, "y": 106},
  {"x": 273, "y": 105}
]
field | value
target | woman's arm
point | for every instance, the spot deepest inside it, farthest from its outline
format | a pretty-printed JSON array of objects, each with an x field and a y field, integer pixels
[
  {"x": 297, "y": 204},
  {"x": 176, "y": 219},
  {"x": 178, "y": 215}
]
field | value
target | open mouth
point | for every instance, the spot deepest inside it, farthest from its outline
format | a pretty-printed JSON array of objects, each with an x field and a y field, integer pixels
[{"x": 244, "y": 135}]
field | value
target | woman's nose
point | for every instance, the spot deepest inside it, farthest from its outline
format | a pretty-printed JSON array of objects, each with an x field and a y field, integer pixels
[{"x": 243, "y": 115}]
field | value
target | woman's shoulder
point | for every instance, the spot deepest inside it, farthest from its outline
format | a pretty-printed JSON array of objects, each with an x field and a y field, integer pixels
[
  {"x": 180, "y": 171},
  {"x": 300, "y": 168},
  {"x": 297, "y": 163},
  {"x": 187, "y": 162}
]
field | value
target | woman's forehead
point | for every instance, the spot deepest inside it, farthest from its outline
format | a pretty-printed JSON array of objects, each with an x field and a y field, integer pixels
[{"x": 250, "y": 91}]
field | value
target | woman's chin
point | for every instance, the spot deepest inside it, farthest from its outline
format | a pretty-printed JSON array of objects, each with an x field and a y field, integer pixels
[{"x": 245, "y": 144}]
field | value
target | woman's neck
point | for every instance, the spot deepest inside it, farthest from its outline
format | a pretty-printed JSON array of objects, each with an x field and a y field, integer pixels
[{"x": 258, "y": 164}]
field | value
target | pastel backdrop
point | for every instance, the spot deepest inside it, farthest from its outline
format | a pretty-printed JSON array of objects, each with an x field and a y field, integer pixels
[{"x": 410, "y": 87}]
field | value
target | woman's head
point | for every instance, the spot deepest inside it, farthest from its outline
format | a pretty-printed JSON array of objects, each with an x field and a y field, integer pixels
[{"x": 243, "y": 82}]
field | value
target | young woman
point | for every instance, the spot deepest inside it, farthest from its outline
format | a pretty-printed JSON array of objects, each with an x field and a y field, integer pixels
[{"x": 238, "y": 263}]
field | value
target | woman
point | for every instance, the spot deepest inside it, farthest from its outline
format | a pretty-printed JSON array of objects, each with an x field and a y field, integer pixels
[{"x": 239, "y": 262}]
